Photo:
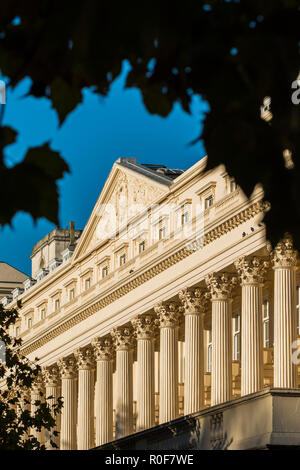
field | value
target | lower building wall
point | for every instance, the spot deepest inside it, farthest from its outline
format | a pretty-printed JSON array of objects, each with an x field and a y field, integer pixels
[{"x": 270, "y": 418}]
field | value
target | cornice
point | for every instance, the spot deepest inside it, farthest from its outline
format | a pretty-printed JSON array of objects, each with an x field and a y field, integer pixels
[{"x": 213, "y": 234}]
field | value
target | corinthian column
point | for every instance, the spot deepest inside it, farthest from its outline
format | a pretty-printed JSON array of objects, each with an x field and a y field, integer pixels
[
  {"x": 194, "y": 303},
  {"x": 103, "y": 348},
  {"x": 37, "y": 392},
  {"x": 284, "y": 259},
  {"x": 67, "y": 367},
  {"x": 144, "y": 326},
  {"x": 51, "y": 379},
  {"x": 124, "y": 341},
  {"x": 168, "y": 314},
  {"x": 85, "y": 429},
  {"x": 220, "y": 286},
  {"x": 251, "y": 272}
]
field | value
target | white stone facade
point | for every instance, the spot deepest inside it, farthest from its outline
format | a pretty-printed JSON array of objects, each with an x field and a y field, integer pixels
[{"x": 128, "y": 323}]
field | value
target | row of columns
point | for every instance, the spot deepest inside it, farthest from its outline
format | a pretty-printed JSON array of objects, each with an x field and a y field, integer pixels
[{"x": 193, "y": 304}]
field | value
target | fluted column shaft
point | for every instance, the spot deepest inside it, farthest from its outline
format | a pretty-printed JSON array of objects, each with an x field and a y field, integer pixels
[
  {"x": 104, "y": 390},
  {"x": 51, "y": 378},
  {"x": 168, "y": 398},
  {"x": 36, "y": 391},
  {"x": 221, "y": 374},
  {"x": 284, "y": 264},
  {"x": 144, "y": 328},
  {"x": 124, "y": 394},
  {"x": 251, "y": 351},
  {"x": 220, "y": 286},
  {"x": 68, "y": 437},
  {"x": 194, "y": 304},
  {"x": 251, "y": 271},
  {"x": 85, "y": 430}
]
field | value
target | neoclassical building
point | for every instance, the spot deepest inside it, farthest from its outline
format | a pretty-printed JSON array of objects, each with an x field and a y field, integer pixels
[{"x": 169, "y": 322}]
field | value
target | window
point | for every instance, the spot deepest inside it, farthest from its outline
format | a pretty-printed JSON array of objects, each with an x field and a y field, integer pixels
[
  {"x": 72, "y": 294},
  {"x": 233, "y": 186},
  {"x": 266, "y": 324},
  {"x": 184, "y": 218},
  {"x": 104, "y": 272},
  {"x": 208, "y": 202},
  {"x": 29, "y": 323},
  {"x": 162, "y": 233},
  {"x": 142, "y": 246},
  {"x": 43, "y": 314},
  {"x": 122, "y": 259},
  {"x": 237, "y": 338},
  {"x": 208, "y": 350},
  {"x": 56, "y": 305},
  {"x": 18, "y": 331},
  {"x": 298, "y": 310},
  {"x": 87, "y": 283}
]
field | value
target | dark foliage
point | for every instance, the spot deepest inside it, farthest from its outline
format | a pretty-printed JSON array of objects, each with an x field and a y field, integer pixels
[
  {"x": 233, "y": 53},
  {"x": 17, "y": 375}
]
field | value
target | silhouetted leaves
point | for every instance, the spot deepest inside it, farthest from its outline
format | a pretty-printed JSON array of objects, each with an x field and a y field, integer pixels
[
  {"x": 233, "y": 54},
  {"x": 31, "y": 185},
  {"x": 17, "y": 375}
]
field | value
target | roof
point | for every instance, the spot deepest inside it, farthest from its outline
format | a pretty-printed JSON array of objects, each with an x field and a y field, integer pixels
[
  {"x": 10, "y": 274},
  {"x": 157, "y": 172}
]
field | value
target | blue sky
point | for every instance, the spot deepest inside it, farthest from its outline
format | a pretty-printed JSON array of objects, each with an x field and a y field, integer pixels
[{"x": 96, "y": 134}]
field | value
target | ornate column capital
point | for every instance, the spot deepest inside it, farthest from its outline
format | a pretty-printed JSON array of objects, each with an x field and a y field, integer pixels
[
  {"x": 251, "y": 270},
  {"x": 145, "y": 326},
  {"x": 284, "y": 256},
  {"x": 103, "y": 348},
  {"x": 194, "y": 300},
  {"x": 85, "y": 358},
  {"x": 38, "y": 384},
  {"x": 51, "y": 376},
  {"x": 220, "y": 285},
  {"x": 67, "y": 367},
  {"x": 123, "y": 337},
  {"x": 168, "y": 314}
]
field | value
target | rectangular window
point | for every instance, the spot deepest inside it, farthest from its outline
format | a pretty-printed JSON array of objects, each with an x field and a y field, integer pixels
[
  {"x": 29, "y": 324},
  {"x": 87, "y": 283},
  {"x": 43, "y": 314},
  {"x": 18, "y": 331},
  {"x": 142, "y": 247},
  {"x": 104, "y": 272},
  {"x": 233, "y": 186},
  {"x": 122, "y": 259},
  {"x": 56, "y": 305},
  {"x": 72, "y": 294},
  {"x": 162, "y": 233},
  {"x": 298, "y": 310},
  {"x": 208, "y": 202},
  {"x": 237, "y": 338},
  {"x": 266, "y": 324},
  {"x": 184, "y": 218},
  {"x": 208, "y": 351}
]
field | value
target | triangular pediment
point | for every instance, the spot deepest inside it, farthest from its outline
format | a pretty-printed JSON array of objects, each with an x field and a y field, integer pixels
[{"x": 125, "y": 195}]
